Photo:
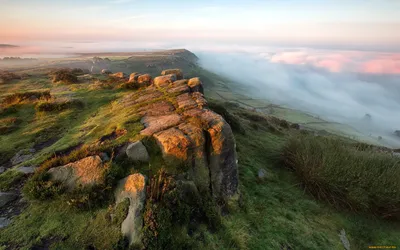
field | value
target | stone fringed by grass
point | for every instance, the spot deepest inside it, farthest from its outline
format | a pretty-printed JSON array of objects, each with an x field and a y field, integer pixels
[{"x": 344, "y": 175}]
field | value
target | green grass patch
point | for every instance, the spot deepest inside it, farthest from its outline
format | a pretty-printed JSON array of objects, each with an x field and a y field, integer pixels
[
  {"x": 25, "y": 96},
  {"x": 343, "y": 175},
  {"x": 9, "y": 178},
  {"x": 57, "y": 106}
]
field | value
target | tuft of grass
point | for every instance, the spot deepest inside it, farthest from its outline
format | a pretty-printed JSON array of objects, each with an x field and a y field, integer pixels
[
  {"x": 343, "y": 175},
  {"x": 8, "y": 125},
  {"x": 57, "y": 106},
  {"x": 67, "y": 76},
  {"x": 9, "y": 178},
  {"x": 25, "y": 96}
]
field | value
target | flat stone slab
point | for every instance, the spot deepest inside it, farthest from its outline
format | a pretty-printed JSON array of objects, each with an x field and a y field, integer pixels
[
  {"x": 6, "y": 198},
  {"x": 4, "y": 222},
  {"x": 156, "y": 124},
  {"x": 26, "y": 170},
  {"x": 185, "y": 101}
]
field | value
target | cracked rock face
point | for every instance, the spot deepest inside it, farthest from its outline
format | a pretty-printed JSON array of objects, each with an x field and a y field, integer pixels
[{"x": 188, "y": 133}]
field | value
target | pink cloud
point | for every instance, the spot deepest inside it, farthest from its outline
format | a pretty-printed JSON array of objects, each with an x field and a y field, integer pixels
[{"x": 345, "y": 61}]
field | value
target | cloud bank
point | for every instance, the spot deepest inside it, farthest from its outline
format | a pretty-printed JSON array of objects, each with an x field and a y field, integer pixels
[{"x": 340, "y": 86}]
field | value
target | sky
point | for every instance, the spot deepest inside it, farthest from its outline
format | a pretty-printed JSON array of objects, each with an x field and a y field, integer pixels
[{"x": 327, "y": 23}]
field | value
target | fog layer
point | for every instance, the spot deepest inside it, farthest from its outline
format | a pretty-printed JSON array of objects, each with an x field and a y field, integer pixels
[{"x": 306, "y": 80}]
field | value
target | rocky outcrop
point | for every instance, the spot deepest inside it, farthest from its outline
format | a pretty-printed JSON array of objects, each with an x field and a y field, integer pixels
[
  {"x": 132, "y": 188},
  {"x": 86, "y": 172},
  {"x": 191, "y": 135},
  {"x": 196, "y": 85},
  {"x": 177, "y": 72}
]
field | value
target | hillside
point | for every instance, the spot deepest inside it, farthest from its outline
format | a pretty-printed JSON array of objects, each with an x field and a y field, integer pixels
[{"x": 96, "y": 156}]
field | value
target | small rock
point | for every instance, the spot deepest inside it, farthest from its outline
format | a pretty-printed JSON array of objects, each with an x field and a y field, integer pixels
[
  {"x": 106, "y": 72},
  {"x": 137, "y": 151},
  {"x": 345, "y": 241},
  {"x": 4, "y": 222},
  {"x": 397, "y": 133},
  {"x": 2, "y": 169},
  {"x": 5, "y": 198},
  {"x": 26, "y": 170},
  {"x": 262, "y": 174}
]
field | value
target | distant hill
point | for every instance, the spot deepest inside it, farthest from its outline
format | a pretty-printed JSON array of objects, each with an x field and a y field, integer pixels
[{"x": 8, "y": 46}]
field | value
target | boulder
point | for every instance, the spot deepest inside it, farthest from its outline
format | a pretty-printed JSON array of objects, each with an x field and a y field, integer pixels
[
  {"x": 196, "y": 85},
  {"x": 137, "y": 151},
  {"x": 6, "y": 198},
  {"x": 106, "y": 72},
  {"x": 163, "y": 81},
  {"x": 144, "y": 80},
  {"x": 177, "y": 72},
  {"x": 174, "y": 146},
  {"x": 86, "y": 172},
  {"x": 397, "y": 133},
  {"x": 119, "y": 75},
  {"x": 2, "y": 170},
  {"x": 133, "y": 188},
  {"x": 133, "y": 77}
]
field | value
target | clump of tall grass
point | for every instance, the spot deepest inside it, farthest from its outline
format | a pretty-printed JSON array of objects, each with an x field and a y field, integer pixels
[
  {"x": 25, "y": 96},
  {"x": 67, "y": 76},
  {"x": 345, "y": 175},
  {"x": 59, "y": 105}
]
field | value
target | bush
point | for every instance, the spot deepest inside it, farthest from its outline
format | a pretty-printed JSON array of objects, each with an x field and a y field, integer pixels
[
  {"x": 343, "y": 175},
  {"x": 6, "y": 76},
  {"x": 59, "y": 106},
  {"x": 25, "y": 96},
  {"x": 64, "y": 75}
]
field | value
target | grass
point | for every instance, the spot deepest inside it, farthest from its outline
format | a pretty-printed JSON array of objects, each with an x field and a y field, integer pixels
[
  {"x": 9, "y": 178},
  {"x": 344, "y": 175},
  {"x": 55, "y": 225},
  {"x": 17, "y": 98},
  {"x": 56, "y": 106},
  {"x": 275, "y": 213}
]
